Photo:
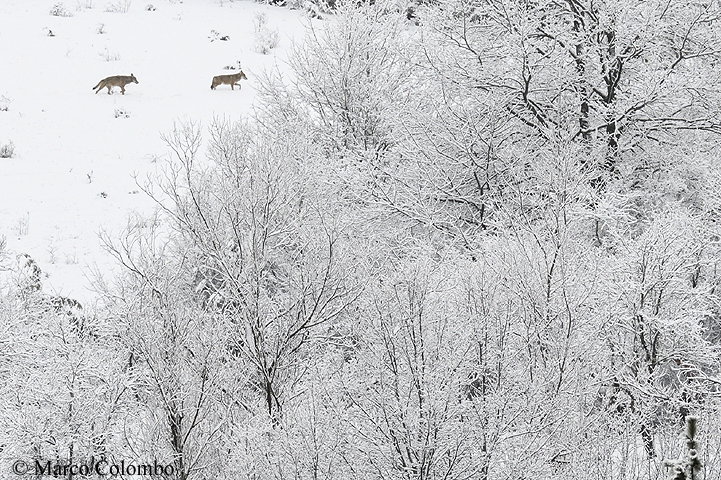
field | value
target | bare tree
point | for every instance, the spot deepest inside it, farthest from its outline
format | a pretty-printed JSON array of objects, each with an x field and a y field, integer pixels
[
  {"x": 176, "y": 353},
  {"x": 269, "y": 259}
]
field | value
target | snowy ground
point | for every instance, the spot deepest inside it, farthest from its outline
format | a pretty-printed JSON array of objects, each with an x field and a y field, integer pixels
[{"x": 72, "y": 172}]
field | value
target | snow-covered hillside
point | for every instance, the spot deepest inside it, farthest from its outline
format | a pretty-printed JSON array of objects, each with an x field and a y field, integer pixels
[{"x": 72, "y": 172}]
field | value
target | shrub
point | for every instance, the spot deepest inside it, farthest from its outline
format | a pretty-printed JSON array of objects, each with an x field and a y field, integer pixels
[
  {"x": 7, "y": 150},
  {"x": 118, "y": 6},
  {"x": 84, "y": 5},
  {"x": 265, "y": 38},
  {"x": 237, "y": 66},
  {"x": 109, "y": 57},
  {"x": 314, "y": 8},
  {"x": 214, "y": 35},
  {"x": 121, "y": 113},
  {"x": 59, "y": 10}
]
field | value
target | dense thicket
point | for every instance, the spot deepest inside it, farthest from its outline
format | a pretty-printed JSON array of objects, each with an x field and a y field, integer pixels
[{"x": 479, "y": 244}]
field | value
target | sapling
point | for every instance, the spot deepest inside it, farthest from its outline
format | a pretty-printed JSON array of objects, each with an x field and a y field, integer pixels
[{"x": 688, "y": 466}]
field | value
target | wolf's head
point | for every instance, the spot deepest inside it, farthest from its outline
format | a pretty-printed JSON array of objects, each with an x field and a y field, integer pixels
[
  {"x": 132, "y": 77},
  {"x": 242, "y": 76}
]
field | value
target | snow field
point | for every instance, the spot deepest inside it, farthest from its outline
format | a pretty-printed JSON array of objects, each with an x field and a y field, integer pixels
[{"x": 73, "y": 170}]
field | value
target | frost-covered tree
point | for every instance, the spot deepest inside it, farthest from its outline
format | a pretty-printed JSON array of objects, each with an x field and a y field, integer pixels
[
  {"x": 177, "y": 354},
  {"x": 688, "y": 466},
  {"x": 352, "y": 72},
  {"x": 63, "y": 387},
  {"x": 269, "y": 255},
  {"x": 626, "y": 93}
]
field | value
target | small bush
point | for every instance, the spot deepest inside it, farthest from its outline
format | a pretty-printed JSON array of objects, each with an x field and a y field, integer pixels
[
  {"x": 265, "y": 38},
  {"x": 100, "y": 29},
  {"x": 121, "y": 113},
  {"x": 260, "y": 20},
  {"x": 4, "y": 103},
  {"x": 313, "y": 8},
  {"x": 109, "y": 57},
  {"x": 7, "y": 150},
  {"x": 214, "y": 35},
  {"x": 237, "y": 66},
  {"x": 149, "y": 8},
  {"x": 29, "y": 275},
  {"x": 118, "y": 6},
  {"x": 84, "y": 5},
  {"x": 265, "y": 41},
  {"x": 59, "y": 10}
]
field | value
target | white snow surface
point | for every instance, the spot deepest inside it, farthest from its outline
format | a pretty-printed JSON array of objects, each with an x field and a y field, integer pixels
[{"x": 74, "y": 165}]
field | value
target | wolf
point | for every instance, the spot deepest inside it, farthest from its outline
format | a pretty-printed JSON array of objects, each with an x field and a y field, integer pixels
[
  {"x": 116, "y": 81},
  {"x": 228, "y": 80}
]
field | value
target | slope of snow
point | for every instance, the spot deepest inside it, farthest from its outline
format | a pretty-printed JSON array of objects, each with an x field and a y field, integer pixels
[{"x": 72, "y": 172}]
